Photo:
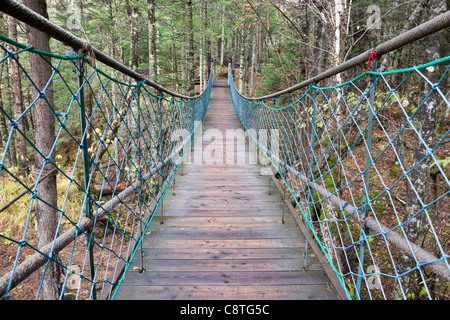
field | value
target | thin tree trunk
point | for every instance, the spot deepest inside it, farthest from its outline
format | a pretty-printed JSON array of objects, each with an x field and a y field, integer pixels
[
  {"x": 260, "y": 44},
  {"x": 16, "y": 87},
  {"x": 8, "y": 105},
  {"x": 175, "y": 59},
  {"x": 419, "y": 187},
  {"x": 46, "y": 216},
  {"x": 253, "y": 63},
  {"x": 338, "y": 15},
  {"x": 207, "y": 51},
  {"x": 3, "y": 125},
  {"x": 119, "y": 32},
  {"x": 338, "y": 12},
  {"x": 318, "y": 44},
  {"x": 241, "y": 61},
  {"x": 233, "y": 51},
  {"x": 183, "y": 68},
  {"x": 247, "y": 59},
  {"x": 151, "y": 40},
  {"x": 132, "y": 12},
  {"x": 202, "y": 48},
  {"x": 222, "y": 37}
]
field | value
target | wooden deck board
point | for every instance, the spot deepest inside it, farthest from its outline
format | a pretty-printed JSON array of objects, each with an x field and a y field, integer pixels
[
  {"x": 220, "y": 292},
  {"x": 226, "y": 278},
  {"x": 222, "y": 236}
]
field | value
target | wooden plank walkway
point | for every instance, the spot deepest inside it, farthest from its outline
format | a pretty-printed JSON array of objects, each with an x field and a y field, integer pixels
[{"x": 222, "y": 236}]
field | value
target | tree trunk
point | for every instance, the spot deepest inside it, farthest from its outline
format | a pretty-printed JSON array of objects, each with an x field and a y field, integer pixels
[
  {"x": 318, "y": 45},
  {"x": 233, "y": 51},
  {"x": 202, "y": 48},
  {"x": 46, "y": 216},
  {"x": 207, "y": 40},
  {"x": 7, "y": 105},
  {"x": 222, "y": 37},
  {"x": 419, "y": 187},
  {"x": 16, "y": 87},
  {"x": 201, "y": 64},
  {"x": 253, "y": 64},
  {"x": 338, "y": 12},
  {"x": 132, "y": 12},
  {"x": 190, "y": 57},
  {"x": 151, "y": 40},
  {"x": 175, "y": 59},
  {"x": 241, "y": 61},
  {"x": 247, "y": 59},
  {"x": 260, "y": 45},
  {"x": 119, "y": 32},
  {"x": 3, "y": 124}
]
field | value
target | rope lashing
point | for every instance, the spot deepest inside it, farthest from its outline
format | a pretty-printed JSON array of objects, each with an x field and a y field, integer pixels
[{"x": 371, "y": 62}]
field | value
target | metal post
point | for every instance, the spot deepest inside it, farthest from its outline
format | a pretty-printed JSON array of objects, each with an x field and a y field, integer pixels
[
  {"x": 365, "y": 198},
  {"x": 88, "y": 205}
]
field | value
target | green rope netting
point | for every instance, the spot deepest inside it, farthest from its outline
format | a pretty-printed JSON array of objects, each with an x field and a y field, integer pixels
[
  {"x": 117, "y": 147},
  {"x": 366, "y": 166}
]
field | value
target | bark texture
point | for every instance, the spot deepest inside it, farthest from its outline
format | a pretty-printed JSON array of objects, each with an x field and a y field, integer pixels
[{"x": 46, "y": 216}]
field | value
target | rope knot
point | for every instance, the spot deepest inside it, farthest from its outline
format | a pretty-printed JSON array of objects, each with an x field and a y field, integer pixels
[{"x": 371, "y": 62}]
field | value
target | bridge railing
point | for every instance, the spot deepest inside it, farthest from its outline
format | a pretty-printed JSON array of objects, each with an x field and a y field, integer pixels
[
  {"x": 118, "y": 142},
  {"x": 366, "y": 164}
]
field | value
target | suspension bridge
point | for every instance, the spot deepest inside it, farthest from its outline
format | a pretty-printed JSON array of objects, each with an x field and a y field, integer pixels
[
  {"x": 307, "y": 193},
  {"x": 223, "y": 234}
]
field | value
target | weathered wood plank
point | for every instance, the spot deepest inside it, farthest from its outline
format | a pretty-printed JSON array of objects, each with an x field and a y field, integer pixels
[
  {"x": 222, "y": 234},
  {"x": 186, "y": 221},
  {"x": 228, "y": 197},
  {"x": 227, "y": 243},
  {"x": 223, "y": 253},
  {"x": 222, "y": 205},
  {"x": 204, "y": 224},
  {"x": 236, "y": 278},
  {"x": 178, "y": 210},
  {"x": 209, "y": 265}
]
